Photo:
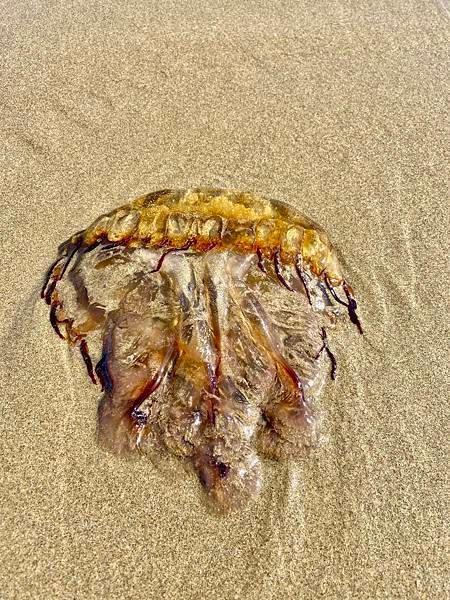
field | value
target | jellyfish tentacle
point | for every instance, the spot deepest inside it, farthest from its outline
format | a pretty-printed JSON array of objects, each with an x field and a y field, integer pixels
[
  {"x": 49, "y": 274},
  {"x": 54, "y": 321},
  {"x": 278, "y": 270},
  {"x": 324, "y": 291},
  {"x": 76, "y": 335},
  {"x": 351, "y": 303},
  {"x": 73, "y": 335},
  {"x": 329, "y": 353},
  {"x": 292, "y": 376},
  {"x": 95, "y": 312},
  {"x": 261, "y": 264},
  {"x": 333, "y": 292},
  {"x": 54, "y": 275},
  {"x": 352, "y": 306},
  {"x": 84, "y": 350},
  {"x": 301, "y": 274},
  {"x": 58, "y": 271},
  {"x": 159, "y": 264},
  {"x": 65, "y": 252}
]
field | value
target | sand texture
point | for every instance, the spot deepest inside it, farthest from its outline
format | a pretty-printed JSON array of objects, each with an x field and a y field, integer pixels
[{"x": 335, "y": 107}]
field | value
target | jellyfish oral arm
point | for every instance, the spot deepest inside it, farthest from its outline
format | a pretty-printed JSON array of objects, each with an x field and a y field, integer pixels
[{"x": 130, "y": 382}]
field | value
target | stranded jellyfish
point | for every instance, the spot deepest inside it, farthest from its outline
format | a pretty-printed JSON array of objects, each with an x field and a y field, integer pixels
[{"x": 206, "y": 312}]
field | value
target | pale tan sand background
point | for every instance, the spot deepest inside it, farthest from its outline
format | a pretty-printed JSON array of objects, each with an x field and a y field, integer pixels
[{"x": 336, "y": 107}]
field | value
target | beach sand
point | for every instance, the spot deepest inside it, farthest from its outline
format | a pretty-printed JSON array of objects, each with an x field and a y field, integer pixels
[{"x": 335, "y": 107}]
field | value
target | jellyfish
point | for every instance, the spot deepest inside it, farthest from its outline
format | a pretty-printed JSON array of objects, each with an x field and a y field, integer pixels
[{"x": 202, "y": 314}]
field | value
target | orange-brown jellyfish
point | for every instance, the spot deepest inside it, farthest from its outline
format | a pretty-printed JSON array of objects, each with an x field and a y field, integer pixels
[{"x": 211, "y": 308}]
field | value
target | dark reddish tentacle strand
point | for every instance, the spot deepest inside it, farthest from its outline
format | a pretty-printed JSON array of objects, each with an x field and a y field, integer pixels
[
  {"x": 277, "y": 265},
  {"x": 164, "y": 254},
  {"x": 261, "y": 261},
  {"x": 54, "y": 321},
  {"x": 87, "y": 360},
  {"x": 301, "y": 275},
  {"x": 329, "y": 353},
  {"x": 352, "y": 306},
  {"x": 333, "y": 293},
  {"x": 49, "y": 274},
  {"x": 52, "y": 286}
]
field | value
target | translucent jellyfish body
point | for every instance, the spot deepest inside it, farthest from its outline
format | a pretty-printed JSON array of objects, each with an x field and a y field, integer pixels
[{"x": 209, "y": 309}]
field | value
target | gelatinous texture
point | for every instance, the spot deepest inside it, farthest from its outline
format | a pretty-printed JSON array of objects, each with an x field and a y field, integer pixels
[{"x": 210, "y": 309}]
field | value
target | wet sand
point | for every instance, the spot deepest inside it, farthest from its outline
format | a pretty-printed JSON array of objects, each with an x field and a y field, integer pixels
[{"x": 338, "y": 110}]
